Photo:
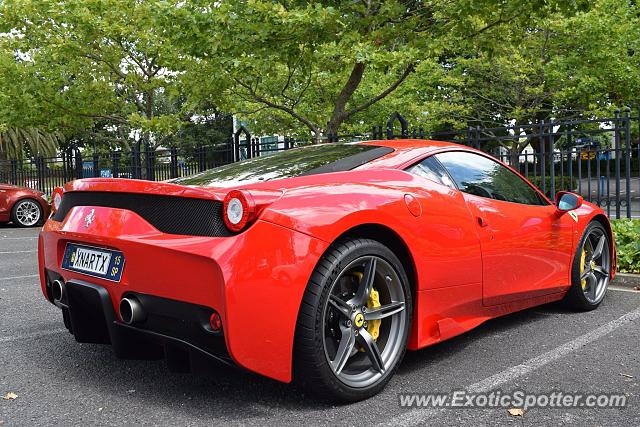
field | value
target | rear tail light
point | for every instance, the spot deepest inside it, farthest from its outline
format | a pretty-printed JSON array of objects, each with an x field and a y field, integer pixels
[
  {"x": 56, "y": 199},
  {"x": 239, "y": 210}
]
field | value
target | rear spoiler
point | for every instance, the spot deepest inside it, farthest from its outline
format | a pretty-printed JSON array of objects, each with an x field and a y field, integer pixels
[{"x": 135, "y": 186}]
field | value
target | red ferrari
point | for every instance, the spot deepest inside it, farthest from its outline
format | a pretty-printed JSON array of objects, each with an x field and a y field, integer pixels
[
  {"x": 25, "y": 207},
  {"x": 320, "y": 264}
]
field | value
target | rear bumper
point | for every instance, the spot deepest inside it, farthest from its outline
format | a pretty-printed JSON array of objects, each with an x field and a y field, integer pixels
[
  {"x": 172, "y": 329},
  {"x": 254, "y": 280}
]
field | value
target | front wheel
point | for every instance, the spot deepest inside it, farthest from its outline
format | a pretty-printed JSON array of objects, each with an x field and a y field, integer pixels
[
  {"x": 354, "y": 321},
  {"x": 591, "y": 269},
  {"x": 27, "y": 213}
]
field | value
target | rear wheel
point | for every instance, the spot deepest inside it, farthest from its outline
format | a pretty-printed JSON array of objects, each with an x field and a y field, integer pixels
[
  {"x": 591, "y": 269},
  {"x": 354, "y": 321},
  {"x": 26, "y": 213}
]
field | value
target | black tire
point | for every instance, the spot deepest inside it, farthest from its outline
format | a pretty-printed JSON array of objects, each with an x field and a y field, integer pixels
[
  {"x": 17, "y": 217},
  {"x": 311, "y": 365},
  {"x": 576, "y": 297}
]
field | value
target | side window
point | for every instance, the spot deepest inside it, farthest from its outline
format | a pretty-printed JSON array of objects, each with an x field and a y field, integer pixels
[
  {"x": 480, "y": 176},
  {"x": 430, "y": 168}
]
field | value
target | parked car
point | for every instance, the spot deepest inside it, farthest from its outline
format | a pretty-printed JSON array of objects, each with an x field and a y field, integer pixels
[
  {"x": 322, "y": 263},
  {"x": 25, "y": 207}
]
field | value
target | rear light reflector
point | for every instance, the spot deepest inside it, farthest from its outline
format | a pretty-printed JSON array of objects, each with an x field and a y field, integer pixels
[
  {"x": 56, "y": 199},
  {"x": 215, "y": 322}
]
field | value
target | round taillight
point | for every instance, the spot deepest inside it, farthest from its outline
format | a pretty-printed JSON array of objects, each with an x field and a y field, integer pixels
[
  {"x": 56, "y": 198},
  {"x": 238, "y": 210}
]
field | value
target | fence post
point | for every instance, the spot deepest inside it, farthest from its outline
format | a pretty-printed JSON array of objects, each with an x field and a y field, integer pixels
[
  {"x": 68, "y": 172},
  {"x": 115, "y": 164},
  {"x": 236, "y": 147},
  {"x": 228, "y": 151},
  {"x": 65, "y": 165},
  {"x": 96, "y": 165},
  {"x": 174, "y": 162},
  {"x": 627, "y": 158},
  {"x": 40, "y": 173},
  {"x": 135, "y": 161},
  {"x": 199, "y": 152},
  {"x": 14, "y": 172},
  {"x": 149, "y": 162},
  {"x": 79, "y": 168},
  {"x": 543, "y": 164},
  {"x": 377, "y": 133},
  {"x": 552, "y": 166},
  {"x": 404, "y": 126},
  {"x": 617, "y": 151}
]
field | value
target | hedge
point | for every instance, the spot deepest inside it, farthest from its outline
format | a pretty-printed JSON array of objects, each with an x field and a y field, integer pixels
[
  {"x": 562, "y": 183},
  {"x": 627, "y": 235}
]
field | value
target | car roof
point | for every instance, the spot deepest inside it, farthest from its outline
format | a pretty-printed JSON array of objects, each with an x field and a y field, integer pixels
[
  {"x": 406, "y": 150},
  {"x": 408, "y": 144}
]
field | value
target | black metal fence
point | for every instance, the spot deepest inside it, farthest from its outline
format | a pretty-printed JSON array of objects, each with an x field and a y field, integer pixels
[{"x": 597, "y": 158}]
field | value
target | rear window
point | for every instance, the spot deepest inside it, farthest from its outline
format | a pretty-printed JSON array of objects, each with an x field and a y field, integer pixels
[{"x": 309, "y": 160}]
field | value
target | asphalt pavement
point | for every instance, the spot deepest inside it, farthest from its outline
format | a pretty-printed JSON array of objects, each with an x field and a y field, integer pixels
[{"x": 56, "y": 381}]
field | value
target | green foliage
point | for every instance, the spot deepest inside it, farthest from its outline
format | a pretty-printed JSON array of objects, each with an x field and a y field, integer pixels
[
  {"x": 561, "y": 183},
  {"x": 320, "y": 65},
  {"x": 70, "y": 64},
  {"x": 14, "y": 143},
  {"x": 627, "y": 235},
  {"x": 116, "y": 72}
]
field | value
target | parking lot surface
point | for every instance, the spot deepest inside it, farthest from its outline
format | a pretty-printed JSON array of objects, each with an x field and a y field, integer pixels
[{"x": 60, "y": 382}]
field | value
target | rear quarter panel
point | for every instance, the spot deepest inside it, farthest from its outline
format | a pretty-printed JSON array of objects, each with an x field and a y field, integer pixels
[{"x": 442, "y": 241}]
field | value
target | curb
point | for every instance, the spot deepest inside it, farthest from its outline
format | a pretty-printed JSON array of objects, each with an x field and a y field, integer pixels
[{"x": 627, "y": 280}]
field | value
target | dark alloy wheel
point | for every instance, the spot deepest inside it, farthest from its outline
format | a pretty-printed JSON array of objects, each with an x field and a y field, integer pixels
[
  {"x": 591, "y": 269},
  {"x": 27, "y": 213},
  {"x": 354, "y": 321}
]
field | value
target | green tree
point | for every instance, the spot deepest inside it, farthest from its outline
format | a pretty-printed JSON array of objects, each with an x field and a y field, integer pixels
[
  {"x": 321, "y": 64},
  {"x": 556, "y": 67},
  {"x": 70, "y": 64},
  {"x": 15, "y": 143}
]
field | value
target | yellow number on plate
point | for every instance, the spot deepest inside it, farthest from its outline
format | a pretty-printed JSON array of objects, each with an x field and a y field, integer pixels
[{"x": 114, "y": 271}]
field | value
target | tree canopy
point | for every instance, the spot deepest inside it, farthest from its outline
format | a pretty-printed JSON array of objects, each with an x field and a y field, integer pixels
[{"x": 127, "y": 71}]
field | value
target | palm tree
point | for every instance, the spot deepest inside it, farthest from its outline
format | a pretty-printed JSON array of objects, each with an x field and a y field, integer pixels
[{"x": 15, "y": 142}]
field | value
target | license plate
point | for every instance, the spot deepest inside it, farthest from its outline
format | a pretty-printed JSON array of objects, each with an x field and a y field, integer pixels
[{"x": 97, "y": 262}]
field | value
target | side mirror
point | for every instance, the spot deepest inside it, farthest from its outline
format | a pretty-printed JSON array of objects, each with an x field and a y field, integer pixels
[{"x": 566, "y": 201}]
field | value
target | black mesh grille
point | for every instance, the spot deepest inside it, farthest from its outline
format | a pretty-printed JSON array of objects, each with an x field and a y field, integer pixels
[{"x": 169, "y": 214}]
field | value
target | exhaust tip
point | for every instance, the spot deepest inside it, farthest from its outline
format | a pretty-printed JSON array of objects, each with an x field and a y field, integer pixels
[
  {"x": 57, "y": 290},
  {"x": 131, "y": 311}
]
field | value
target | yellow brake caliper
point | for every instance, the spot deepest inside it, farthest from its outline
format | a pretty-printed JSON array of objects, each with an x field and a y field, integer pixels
[
  {"x": 583, "y": 257},
  {"x": 373, "y": 326}
]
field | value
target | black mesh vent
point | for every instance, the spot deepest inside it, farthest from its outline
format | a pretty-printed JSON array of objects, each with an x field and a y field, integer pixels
[{"x": 169, "y": 214}]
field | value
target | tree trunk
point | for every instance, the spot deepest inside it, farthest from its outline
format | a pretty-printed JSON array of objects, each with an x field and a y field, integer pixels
[
  {"x": 338, "y": 116},
  {"x": 146, "y": 136}
]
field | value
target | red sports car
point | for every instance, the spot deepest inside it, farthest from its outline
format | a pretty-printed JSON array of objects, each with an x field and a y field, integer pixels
[
  {"x": 25, "y": 207},
  {"x": 320, "y": 264}
]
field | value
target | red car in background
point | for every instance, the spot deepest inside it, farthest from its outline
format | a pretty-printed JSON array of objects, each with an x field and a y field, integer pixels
[
  {"x": 321, "y": 263},
  {"x": 25, "y": 207}
]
